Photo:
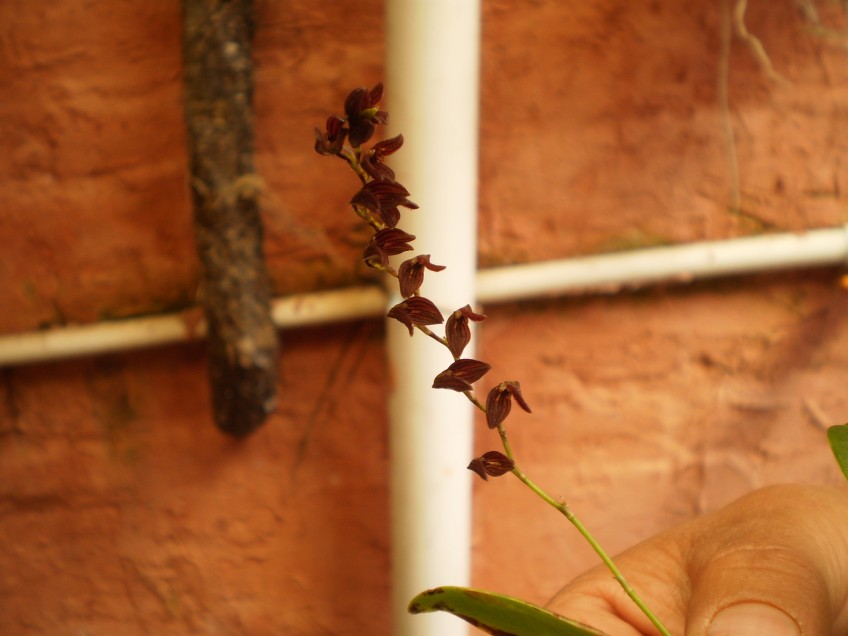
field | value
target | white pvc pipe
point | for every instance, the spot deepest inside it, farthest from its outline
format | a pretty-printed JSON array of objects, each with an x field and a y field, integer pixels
[
  {"x": 149, "y": 331},
  {"x": 589, "y": 274},
  {"x": 432, "y": 69},
  {"x": 60, "y": 343},
  {"x": 681, "y": 263}
]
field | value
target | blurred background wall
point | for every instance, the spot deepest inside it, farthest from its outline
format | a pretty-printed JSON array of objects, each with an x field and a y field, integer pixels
[{"x": 605, "y": 126}]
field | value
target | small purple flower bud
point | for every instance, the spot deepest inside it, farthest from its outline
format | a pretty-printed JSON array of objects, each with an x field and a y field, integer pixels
[
  {"x": 373, "y": 161},
  {"x": 390, "y": 193},
  {"x": 460, "y": 375},
  {"x": 376, "y": 169},
  {"x": 383, "y": 198},
  {"x": 457, "y": 331},
  {"x": 411, "y": 273},
  {"x": 362, "y": 113},
  {"x": 386, "y": 242},
  {"x": 499, "y": 402},
  {"x": 416, "y": 311},
  {"x": 387, "y": 147},
  {"x": 393, "y": 240},
  {"x": 335, "y": 127},
  {"x": 366, "y": 199},
  {"x": 491, "y": 464},
  {"x": 332, "y": 140}
]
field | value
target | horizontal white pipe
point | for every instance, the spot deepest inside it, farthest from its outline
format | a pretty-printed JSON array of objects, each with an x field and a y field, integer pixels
[
  {"x": 680, "y": 263},
  {"x": 301, "y": 310},
  {"x": 590, "y": 274},
  {"x": 103, "y": 337}
]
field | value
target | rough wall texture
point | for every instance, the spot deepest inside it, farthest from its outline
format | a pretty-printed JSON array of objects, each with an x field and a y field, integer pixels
[
  {"x": 654, "y": 408},
  {"x": 122, "y": 510}
]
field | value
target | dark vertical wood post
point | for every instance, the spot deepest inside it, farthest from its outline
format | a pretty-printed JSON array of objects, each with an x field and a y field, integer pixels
[{"x": 242, "y": 345}]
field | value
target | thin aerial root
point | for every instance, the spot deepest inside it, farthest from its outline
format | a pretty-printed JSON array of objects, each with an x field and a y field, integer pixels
[
  {"x": 724, "y": 106},
  {"x": 754, "y": 43}
]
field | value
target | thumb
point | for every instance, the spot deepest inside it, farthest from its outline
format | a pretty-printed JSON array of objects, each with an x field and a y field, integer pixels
[
  {"x": 752, "y": 619},
  {"x": 773, "y": 567}
]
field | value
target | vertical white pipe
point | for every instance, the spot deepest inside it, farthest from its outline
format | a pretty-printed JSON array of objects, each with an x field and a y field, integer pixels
[{"x": 432, "y": 71}]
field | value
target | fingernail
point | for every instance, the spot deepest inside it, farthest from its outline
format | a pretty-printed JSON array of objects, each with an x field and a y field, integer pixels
[{"x": 753, "y": 619}]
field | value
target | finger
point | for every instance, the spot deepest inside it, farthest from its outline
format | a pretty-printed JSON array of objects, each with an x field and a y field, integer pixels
[
  {"x": 592, "y": 609},
  {"x": 776, "y": 563},
  {"x": 653, "y": 568}
]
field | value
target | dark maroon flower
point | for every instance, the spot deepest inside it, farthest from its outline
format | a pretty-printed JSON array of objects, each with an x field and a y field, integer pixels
[
  {"x": 368, "y": 200},
  {"x": 374, "y": 257},
  {"x": 331, "y": 141},
  {"x": 491, "y": 464},
  {"x": 460, "y": 375},
  {"x": 457, "y": 331},
  {"x": 411, "y": 273},
  {"x": 416, "y": 311},
  {"x": 376, "y": 169},
  {"x": 386, "y": 242},
  {"x": 499, "y": 402},
  {"x": 362, "y": 113},
  {"x": 372, "y": 161},
  {"x": 383, "y": 198}
]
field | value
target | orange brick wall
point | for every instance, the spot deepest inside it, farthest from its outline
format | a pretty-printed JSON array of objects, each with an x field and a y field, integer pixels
[{"x": 123, "y": 510}]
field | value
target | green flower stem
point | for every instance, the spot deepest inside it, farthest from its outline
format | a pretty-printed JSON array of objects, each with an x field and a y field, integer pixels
[
  {"x": 473, "y": 399},
  {"x": 371, "y": 219},
  {"x": 428, "y": 332},
  {"x": 353, "y": 157},
  {"x": 563, "y": 508}
]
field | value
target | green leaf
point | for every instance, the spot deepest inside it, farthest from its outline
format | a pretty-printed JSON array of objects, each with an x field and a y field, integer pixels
[
  {"x": 498, "y": 614},
  {"x": 838, "y": 438}
]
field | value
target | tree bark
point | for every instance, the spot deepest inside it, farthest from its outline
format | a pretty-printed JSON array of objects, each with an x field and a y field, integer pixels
[{"x": 242, "y": 344}]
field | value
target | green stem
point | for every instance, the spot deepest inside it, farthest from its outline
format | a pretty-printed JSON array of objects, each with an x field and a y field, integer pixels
[
  {"x": 428, "y": 332},
  {"x": 563, "y": 508},
  {"x": 473, "y": 399},
  {"x": 366, "y": 215},
  {"x": 353, "y": 157}
]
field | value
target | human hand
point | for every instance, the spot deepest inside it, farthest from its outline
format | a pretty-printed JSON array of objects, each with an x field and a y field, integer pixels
[{"x": 773, "y": 563}]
